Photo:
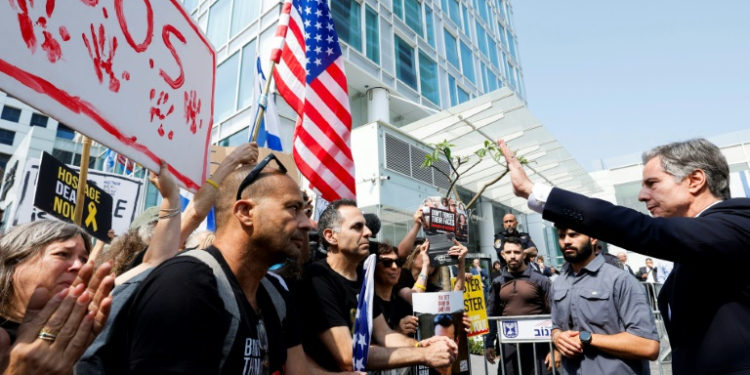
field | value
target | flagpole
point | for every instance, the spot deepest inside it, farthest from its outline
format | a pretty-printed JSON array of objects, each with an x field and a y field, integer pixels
[
  {"x": 82, "y": 176},
  {"x": 262, "y": 103}
]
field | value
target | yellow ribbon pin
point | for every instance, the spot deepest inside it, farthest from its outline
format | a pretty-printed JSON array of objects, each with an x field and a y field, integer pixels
[{"x": 91, "y": 218}]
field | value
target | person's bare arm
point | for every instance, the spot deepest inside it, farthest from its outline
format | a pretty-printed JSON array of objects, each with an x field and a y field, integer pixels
[
  {"x": 204, "y": 199},
  {"x": 626, "y": 346},
  {"x": 407, "y": 243},
  {"x": 461, "y": 251},
  {"x": 385, "y": 336},
  {"x": 522, "y": 185},
  {"x": 298, "y": 363},
  {"x": 338, "y": 342}
]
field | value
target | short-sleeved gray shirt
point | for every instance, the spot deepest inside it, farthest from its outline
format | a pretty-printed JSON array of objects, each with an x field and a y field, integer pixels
[{"x": 601, "y": 299}]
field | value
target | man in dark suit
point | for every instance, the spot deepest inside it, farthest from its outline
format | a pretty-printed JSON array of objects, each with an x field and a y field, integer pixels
[{"x": 686, "y": 189}]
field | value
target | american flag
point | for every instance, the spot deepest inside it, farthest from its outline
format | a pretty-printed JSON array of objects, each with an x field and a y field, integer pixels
[
  {"x": 363, "y": 322},
  {"x": 310, "y": 77}
]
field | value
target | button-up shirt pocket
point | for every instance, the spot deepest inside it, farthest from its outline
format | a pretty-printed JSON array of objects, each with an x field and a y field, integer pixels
[
  {"x": 595, "y": 306},
  {"x": 560, "y": 309}
]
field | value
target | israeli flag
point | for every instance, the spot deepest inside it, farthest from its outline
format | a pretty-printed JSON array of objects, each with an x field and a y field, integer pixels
[
  {"x": 363, "y": 322},
  {"x": 269, "y": 135},
  {"x": 209, "y": 223},
  {"x": 109, "y": 161}
]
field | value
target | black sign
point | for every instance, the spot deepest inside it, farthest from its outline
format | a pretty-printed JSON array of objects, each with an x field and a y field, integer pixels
[
  {"x": 56, "y": 191},
  {"x": 440, "y": 243}
]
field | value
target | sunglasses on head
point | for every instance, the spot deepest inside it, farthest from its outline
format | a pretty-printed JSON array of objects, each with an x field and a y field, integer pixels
[
  {"x": 253, "y": 175},
  {"x": 388, "y": 262}
]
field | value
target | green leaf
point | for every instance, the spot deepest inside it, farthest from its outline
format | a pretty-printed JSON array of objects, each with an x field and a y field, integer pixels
[{"x": 448, "y": 153}]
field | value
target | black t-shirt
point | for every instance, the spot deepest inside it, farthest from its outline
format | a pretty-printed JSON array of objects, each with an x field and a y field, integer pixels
[
  {"x": 328, "y": 300},
  {"x": 11, "y": 327},
  {"x": 177, "y": 323},
  {"x": 394, "y": 310}
]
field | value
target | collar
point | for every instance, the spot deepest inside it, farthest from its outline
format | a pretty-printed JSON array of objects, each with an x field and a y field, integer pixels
[
  {"x": 592, "y": 267},
  {"x": 709, "y": 206},
  {"x": 525, "y": 274}
]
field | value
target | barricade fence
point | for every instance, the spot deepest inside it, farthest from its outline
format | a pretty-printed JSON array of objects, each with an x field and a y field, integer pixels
[{"x": 532, "y": 333}]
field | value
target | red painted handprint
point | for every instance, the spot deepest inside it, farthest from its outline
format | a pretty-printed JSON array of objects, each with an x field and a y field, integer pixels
[
  {"x": 158, "y": 113},
  {"x": 29, "y": 28},
  {"x": 192, "y": 110},
  {"x": 96, "y": 49}
]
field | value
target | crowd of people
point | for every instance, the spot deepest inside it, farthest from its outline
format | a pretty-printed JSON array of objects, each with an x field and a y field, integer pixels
[{"x": 272, "y": 291}]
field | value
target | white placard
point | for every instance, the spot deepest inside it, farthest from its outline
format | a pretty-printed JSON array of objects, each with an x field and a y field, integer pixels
[
  {"x": 438, "y": 302},
  {"x": 125, "y": 192},
  {"x": 524, "y": 329},
  {"x": 137, "y": 75}
]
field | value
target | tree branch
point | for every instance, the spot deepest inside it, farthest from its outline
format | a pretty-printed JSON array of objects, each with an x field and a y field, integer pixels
[{"x": 488, "y": 184}]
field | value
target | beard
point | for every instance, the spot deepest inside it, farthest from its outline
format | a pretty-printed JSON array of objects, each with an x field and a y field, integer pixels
[{"x": 581, "y": 254}]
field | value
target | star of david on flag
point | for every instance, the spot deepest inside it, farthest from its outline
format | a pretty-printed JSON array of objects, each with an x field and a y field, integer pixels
[{"x": 363, "y": 322}]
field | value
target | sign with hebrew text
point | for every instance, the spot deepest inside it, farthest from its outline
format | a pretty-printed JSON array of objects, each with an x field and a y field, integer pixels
[{"x": 137, "y": 76}]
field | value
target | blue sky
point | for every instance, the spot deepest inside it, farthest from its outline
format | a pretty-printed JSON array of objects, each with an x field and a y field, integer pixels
[{"x": 612, "y": 78}]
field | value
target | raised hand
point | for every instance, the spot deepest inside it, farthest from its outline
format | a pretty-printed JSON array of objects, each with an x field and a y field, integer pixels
[{"x": 521, "y": 183}]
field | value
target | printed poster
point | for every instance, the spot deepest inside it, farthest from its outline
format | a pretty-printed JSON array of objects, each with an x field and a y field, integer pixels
[{"x": 441, "y": 313}]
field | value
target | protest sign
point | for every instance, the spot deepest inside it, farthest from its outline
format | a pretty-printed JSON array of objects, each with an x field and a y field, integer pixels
[
  {"x": 125, "y": 191},
  {"x": 441, "y": 314},
  {"x": 56, "y": 195},
  {"x": 137, "y": 76},
  {"x": 443, "y": 215},
  {"x": 474, "y": 305}
]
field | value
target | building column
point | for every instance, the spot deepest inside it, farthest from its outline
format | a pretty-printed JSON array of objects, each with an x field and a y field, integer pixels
[
  {"x": 378, "y": 107},
  {"x": 487, "y": 230}
]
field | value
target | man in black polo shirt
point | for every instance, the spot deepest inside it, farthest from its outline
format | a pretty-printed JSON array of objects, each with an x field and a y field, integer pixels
[{"x": 510, "y": 224}]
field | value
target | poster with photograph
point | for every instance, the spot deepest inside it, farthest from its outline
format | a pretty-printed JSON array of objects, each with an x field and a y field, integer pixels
[
  {"x": 443, "y": 222},
  {"x": 441, "y": 314}
]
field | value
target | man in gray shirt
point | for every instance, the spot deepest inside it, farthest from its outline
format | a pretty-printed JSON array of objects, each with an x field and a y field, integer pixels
[{"x": 601, "y": 320}]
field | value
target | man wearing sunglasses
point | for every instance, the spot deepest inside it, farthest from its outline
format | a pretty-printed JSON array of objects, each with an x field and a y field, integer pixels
[
  {"x": 329, "y": 292},
  {"x": 178, "y": 321}
]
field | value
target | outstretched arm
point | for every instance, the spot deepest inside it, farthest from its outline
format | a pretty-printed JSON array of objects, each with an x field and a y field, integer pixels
[{"x": 407, "y": 243}]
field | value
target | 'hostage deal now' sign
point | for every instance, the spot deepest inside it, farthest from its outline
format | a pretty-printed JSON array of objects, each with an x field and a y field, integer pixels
[{"x": 56, "y": 191}]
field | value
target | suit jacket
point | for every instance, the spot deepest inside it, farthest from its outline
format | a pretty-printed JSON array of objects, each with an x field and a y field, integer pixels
[
  {"x": 706, "y": 307},
  {"x": 642, "y": 270}
]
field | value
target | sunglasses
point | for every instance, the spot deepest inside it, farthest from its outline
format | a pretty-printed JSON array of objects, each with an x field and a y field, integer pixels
[
  {"x": 253, "y": 175},
  {"x": 388, "y": 262}
]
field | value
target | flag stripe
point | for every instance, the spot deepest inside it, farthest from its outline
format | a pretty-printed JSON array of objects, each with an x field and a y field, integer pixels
[{"x": 310, "y": 77}]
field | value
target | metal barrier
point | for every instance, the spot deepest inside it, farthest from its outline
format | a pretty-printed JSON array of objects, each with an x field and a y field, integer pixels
[{"x": 537, "y": 329}]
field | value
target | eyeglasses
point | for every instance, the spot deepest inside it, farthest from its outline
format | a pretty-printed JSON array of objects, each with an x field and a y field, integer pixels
[
  {"x": 388, "y": 262},
  {"x": 253, "y": 175}
]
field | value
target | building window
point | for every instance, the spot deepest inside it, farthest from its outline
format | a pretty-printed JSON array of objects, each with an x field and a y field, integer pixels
[
  {"x": 466, "y": 21},
  {"x": 372, "y": 35},
  {"x": 65, "y": 132},
  {"x": 398, "y": 8},
  {"x": 11, "y": 114},
  {"x": 218, "y": 22},
  {"x": 501, "y": 31},
  {"x": 4, "y": 160},
  {"x": 428, "y": 78},
  {"x": 243, "y": 13},
  {"x": 64, "y": 156},
  {"x": 248, "y": 72},
  {"x": 451, "y": 49},
  {"x": 226, "y": 87},
  {"x": 493, "y": 53},
  {"x": 482, "y": 39},
  {"x": 429, "y": 23},
  {"x": 405, "y": 63},
  {"x": 347, "y": 16},
  {"x": 467, "y": 62},
  {"x": 463, "y": 95},
  {"x": 457, "y": 94},
  {"x": 39, "y": 120},
  {"x": 413, "y": 15},
  {"x": 511, "y": 45},
  {"x": 236, "y": 139},
  {"x": 7, "y": 137}
]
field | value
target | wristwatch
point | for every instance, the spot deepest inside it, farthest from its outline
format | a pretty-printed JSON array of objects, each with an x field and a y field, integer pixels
[{"x": 585, "y": 337}]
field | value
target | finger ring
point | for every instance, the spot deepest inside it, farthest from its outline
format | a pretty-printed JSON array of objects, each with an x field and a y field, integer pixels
[{"x": 47, "y": 335}]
